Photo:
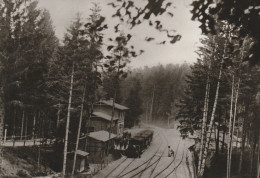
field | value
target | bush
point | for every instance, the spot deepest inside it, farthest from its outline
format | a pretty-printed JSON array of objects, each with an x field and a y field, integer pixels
[{"x": 22, "y": 173}]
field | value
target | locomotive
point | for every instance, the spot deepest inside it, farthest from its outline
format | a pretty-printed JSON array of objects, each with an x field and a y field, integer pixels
[{"x": 139, "y": 143}]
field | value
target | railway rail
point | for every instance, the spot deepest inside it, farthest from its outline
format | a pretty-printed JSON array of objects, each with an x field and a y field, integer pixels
[
  {"x": 163, "y": 170},
  {"x": 137, "y": 167},
  {"x": 122, "y": 163},
  {"x": 148, "y": 167},
  {"x": 147, "y": 162},
  {"x": 157, "y": 161},
  {"x": 176, "y": 166}
]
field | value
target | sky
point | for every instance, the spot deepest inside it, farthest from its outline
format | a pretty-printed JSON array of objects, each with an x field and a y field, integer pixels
[{"x": 63, "y": 12}]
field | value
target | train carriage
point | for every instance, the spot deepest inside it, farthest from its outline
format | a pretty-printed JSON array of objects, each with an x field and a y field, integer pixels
[{"x": 139, "y": 143}]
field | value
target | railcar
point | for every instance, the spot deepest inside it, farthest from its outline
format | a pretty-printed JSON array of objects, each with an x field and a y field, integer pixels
[{"x": 139, "y": 143}]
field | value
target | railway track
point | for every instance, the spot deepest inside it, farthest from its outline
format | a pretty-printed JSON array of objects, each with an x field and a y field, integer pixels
[
  {"x": 156, "y": 162},
  {"x": 148, "y": 167},
  {"x": 164, "y": 169},
  {"x": 121, "y": 163},
  {"x": 142, "y": 164},
  {"x": 147, "y": 164},
  {"x": 177, "y": 165}
]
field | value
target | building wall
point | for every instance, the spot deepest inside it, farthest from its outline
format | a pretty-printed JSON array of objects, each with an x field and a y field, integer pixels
[
  {"x": 108, "y": 110},
  {"x": 98, "y": 150},
  {"x": 117, "y": 114},
  {"x": 102, "y": 124}
]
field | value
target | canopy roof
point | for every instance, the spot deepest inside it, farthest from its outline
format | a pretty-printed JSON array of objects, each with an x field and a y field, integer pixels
[
  {"x": 101, "y": 135},
  {"x": 103, "y": 116},
  {"x": 110, "y": 103}
]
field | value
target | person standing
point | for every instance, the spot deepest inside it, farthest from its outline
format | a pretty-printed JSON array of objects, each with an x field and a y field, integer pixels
[
  {"x": 169, "y": 151},
  {"x": 172, "y": 153}
]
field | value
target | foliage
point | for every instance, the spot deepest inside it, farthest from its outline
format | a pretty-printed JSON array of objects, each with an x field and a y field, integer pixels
[
  {"x": 27, "y": 46},
  {"x": 243, "y": 15},
  {"x": 134, "y": 102},
  {"x": 167, "y": 83}
]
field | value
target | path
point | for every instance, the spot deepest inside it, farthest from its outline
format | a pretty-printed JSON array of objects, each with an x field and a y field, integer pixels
[{"x": 155, "y": 161}]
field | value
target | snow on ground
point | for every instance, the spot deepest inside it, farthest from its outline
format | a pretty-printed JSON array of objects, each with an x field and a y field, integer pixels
[{"x": 155, "y": 162}]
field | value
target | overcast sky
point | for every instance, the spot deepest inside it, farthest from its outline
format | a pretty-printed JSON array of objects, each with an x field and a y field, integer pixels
[{"x": 63, "y": 12}]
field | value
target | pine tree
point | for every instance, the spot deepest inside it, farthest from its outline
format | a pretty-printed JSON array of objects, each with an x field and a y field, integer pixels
[{"x": 135, "y": 103}]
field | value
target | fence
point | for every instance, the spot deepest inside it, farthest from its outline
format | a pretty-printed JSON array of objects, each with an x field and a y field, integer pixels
[{"x": 13, "y": 141}]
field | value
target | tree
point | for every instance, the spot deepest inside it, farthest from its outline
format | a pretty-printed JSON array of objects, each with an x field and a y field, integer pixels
[
  {"x": 228, "y": 57},
  {"x": 27, "y": 44},
  {"x": 240, "y": 14},
  {"x": 92, "y": 80},
  {"x": 136, "y": 13},
  {"x": 73, "y": 40},
  {"x": 134, "y": 102},
  {"x": 115, "y": 67}
]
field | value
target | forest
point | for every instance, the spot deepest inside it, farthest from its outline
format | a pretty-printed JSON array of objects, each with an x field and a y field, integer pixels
[
  {"x": 154, "y": 92},
  {"x": 48, "y": 87}
]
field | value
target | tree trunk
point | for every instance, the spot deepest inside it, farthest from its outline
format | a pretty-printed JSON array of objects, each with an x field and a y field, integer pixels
[
  {"x": 58, "y": 115},
  {"x": 14, "y": 123},
  {"x": 201, "y": 171},
  {"x": 41, "y": 126},
  {"x": 26, "y": 124},
  {"x": 146, "y": 112},
  {"x": 252, "y": 156},
  {"x": 258, "y": 159},
  {"x": 79, "y": 128},
  {"x": 242, "y": 146},
  {"x": 40, "y": 135},
  {"x": 34, "y": 120},
  {"x": 67, "y": 125},
  {"x": 233, "y": 127},
  {"x": 217, "y": 141},
  {"x": 39, "y": 157},
  {"x": 151, "y": 111},
  {"x": 230, "y": 128},
  {"x": 22, "y": 126},
  {"x": 204, "y": 122},
  {"x": 113, "y": 107},
  {"x": 224, "y": 132},
  {"x": 237, "y": 138},
  {"x": 2, "y": 116},
  {"x": 112, "y": 116}
]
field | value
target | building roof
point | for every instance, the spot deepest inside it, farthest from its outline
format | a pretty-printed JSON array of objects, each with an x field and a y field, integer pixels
[
  {"x": 101, "y": 135},
  {"x": 110, "y": 103},
  {"x": 103, "y": 116},
  {"x": 82, "y": 153}
]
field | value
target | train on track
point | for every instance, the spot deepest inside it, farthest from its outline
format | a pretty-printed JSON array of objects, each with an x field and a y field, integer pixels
[{"x": 138, "y": 143}]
